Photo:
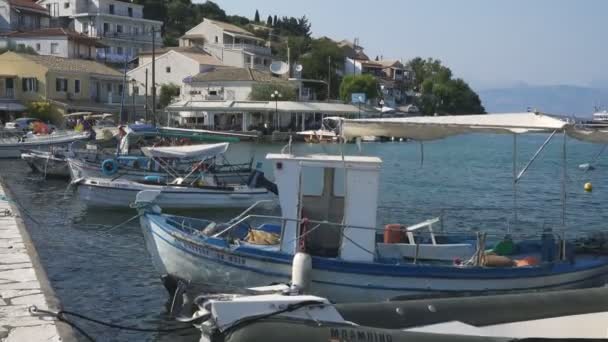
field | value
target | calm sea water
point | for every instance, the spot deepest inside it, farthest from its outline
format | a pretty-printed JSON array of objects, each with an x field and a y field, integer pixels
[{"x": 106, "y": 273}]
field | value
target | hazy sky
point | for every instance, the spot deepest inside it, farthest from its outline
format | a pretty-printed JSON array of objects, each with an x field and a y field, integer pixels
[{"x": 487, "y": 42}]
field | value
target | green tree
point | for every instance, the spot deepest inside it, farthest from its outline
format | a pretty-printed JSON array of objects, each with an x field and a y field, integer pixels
[
  {"x": 44, "y": 111},
  {"x": 167, "y": 93},
  {"x": 209, "y": 10},
  {"x": 358, "y": 84},
  {"x": 324, "y": 61},
  {"x": 237, "y": 20},
  {"x": 298, "y": 46},
  {"x": 256, "y": 18},
  {"x": 269, "y": 21},
  {"x": 263, "y": 91},
  {"x": 439, "y": 92}
]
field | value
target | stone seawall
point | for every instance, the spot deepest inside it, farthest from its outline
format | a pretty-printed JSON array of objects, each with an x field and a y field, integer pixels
[{"x": 23, "y": 283}]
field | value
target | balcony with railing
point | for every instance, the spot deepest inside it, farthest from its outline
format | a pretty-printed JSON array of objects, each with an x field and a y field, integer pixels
[{"x": 256, "y": 49}]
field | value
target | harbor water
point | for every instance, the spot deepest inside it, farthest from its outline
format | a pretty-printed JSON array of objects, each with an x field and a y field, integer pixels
[{"x": 104, "y": 271}]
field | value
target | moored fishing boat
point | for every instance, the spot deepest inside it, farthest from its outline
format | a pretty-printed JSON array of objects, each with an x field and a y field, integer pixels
[
  {"x": 133, "y": 167},
  {"x": 339, "y": 231},
  {"x": 49, "y": 163},
  {"x": 194, "y": 189},
  {"x": 11, "y": 147}
]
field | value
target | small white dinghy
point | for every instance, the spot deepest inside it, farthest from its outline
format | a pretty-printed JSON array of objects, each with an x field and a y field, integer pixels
[
  {"x": 11, "y": 147},
  {"x": 260, "y": 315},
  {"x": 196, "y": 189}
]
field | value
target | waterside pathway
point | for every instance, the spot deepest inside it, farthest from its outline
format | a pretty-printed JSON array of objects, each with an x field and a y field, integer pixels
[{"x": 23, "y": 282}]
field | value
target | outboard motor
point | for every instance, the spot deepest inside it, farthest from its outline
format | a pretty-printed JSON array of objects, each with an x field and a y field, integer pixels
[{"x": 257, "y": 180}]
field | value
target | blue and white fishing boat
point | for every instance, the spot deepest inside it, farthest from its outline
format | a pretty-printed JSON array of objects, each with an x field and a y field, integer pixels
[
  {"x": 131, "y": 164},
  {"x": 195, "y": 188},
  {"x": 334, "y": 233}
]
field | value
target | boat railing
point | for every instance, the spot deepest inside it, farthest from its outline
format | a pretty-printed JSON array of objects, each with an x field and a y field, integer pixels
[
  {"x": 417, "y": 236},
  {"x": 413, "y": 230},
  {"x": 244, "y": 213}
]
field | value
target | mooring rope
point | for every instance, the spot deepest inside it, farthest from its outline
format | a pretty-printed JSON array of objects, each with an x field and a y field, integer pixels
[{"x": 61, "y": 316}]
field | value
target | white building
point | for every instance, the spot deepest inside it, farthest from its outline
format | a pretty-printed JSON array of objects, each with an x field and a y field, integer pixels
[
  {"x": 226, "y": 85},
  {"x": 57, "y": 42},
  {"x": 231, "y": 44},
  {"x": 173, "y": 65},
  {"x": 22, "y": 15},
  {"x": 120, "y": 25}
]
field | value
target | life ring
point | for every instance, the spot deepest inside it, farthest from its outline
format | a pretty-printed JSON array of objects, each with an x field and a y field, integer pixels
[{"x": 109, "y": 167}]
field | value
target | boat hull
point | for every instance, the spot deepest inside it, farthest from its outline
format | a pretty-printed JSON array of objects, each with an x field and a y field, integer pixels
[
  {"x": 208, "y": 265},
  {"x": 47, "y": 164},
  {"x": 13, "y": 148},
  {"x": 107, "y": 193}
]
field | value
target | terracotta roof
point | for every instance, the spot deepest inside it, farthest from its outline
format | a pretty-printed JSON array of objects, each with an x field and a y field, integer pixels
[
  {"x": 59, "y": 32},
  {"x": 235, "y": 74},
  {"x": 194, "y": 53},
  {"x": 28, "y": 5},
  {"x": 71, "y": 65},
  {"x": 203, "y": 58},
  {"x": 394, "y": 63},
  {"x": 372, "y": 64},
  {"x": 231, "y": 28},
  {"x": 352, "y": 51}
]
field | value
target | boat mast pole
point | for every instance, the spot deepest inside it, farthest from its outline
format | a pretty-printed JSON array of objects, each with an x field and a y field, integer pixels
[
  {"x": 514, "y": 182},
  {"x": 564, "y": 176}
]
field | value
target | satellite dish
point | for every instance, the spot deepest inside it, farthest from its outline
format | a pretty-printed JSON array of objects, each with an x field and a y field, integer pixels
[
  {"x": 299, "y": 68},
  {"x": 279, "y": 68}
]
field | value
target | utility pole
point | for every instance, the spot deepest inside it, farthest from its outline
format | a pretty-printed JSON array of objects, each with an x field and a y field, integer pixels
[
  {"x": 329, "y": 78},
  {"x": 146, "y": 97},
  {"x": 122, "y": 95},
  {"x": 153, "y": 76}
]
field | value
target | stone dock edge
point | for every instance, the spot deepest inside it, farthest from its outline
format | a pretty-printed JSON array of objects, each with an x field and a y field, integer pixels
[{"x": 14, "y": 324}]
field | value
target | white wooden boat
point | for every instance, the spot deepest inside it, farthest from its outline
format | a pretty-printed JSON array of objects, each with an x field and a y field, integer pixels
[
  {"x": 11, "y": 147},
  {"x": 339, "y": 232},
  {"x": 49, "y": 164},
  {"x": 197, "y": 189},
  {"x": 134, "y": 167}
]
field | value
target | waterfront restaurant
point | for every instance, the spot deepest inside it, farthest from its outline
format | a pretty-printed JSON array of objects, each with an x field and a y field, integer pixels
[{"x": 255, "y": 115}]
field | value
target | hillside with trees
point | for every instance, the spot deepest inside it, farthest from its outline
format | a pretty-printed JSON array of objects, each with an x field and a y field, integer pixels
[{"x": 321, "y": 58}]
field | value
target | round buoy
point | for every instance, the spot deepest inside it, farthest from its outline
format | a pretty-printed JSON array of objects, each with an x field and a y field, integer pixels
[
  {"x": 588, "y": 187},
  {"x": 109, "y": 167}
]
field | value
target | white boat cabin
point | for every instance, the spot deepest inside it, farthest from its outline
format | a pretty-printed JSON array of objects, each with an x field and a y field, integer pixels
[{"x": 348, "y": 195}]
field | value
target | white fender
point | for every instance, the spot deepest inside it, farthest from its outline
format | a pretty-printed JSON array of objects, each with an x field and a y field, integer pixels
[{"x": 301, "y": 272}]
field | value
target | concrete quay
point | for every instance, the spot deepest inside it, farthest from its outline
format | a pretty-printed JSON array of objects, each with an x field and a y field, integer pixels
[{"x": 23, "y": 282}]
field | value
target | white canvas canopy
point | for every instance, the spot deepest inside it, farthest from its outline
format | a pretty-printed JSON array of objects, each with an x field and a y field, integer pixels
[
  {"x": 196, "y": 152},
  {"x": 438, "y": 127}
]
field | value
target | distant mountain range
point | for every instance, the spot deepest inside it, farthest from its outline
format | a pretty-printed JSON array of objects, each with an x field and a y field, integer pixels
[{"x": 559, "y": 99}]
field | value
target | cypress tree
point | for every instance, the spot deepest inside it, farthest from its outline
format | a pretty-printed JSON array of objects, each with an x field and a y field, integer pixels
[
  {"x": 269, "y": 21},
  {"x": 257, "y": 16}
]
